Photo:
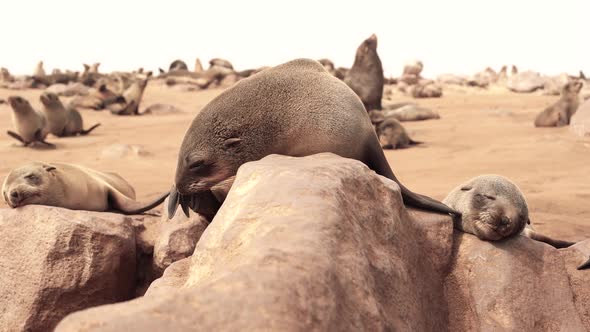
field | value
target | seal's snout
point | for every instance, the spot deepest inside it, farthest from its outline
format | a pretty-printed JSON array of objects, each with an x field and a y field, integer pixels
[{"x": 15, "y": 198}]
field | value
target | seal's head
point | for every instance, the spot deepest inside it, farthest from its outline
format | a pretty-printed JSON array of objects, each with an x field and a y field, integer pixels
[
  {"x": 206, "y": 161},
  {"x": 492, "y": 207},
  {"x": 19, "y": 104},
  {"x": 27, "y": 184},
  {"x": 50, "y": 100},
  {"x": 572, "y": 88}
]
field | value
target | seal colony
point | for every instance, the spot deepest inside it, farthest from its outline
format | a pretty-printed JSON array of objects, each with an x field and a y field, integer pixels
[{"x": 304, "y": 111}]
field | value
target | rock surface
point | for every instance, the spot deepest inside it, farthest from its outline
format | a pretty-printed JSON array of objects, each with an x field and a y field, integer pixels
[
  {"x": 118, "y": 151},
  {"x": 318, "y": 256},
  {"x": 177, "y": 237},
  {"x": 525, "y": 82},
  {"x": 513, "y": 285},
  {"x": 322, "y": 243},
  {"x": 580, "y": 121},
  {"x": 55, "y": 261}
]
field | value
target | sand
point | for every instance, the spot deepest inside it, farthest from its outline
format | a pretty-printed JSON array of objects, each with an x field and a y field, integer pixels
[{"x": 480, "y": 132}]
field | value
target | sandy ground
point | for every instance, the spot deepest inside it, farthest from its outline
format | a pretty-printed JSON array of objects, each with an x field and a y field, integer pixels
[{"x": 479, "y": 132}]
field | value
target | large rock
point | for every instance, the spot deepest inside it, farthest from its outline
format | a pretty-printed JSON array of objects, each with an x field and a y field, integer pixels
[
  {"x": 55, "y": 261},
  {"x": 513, "y": 285},
  {"x": 323, "y": 243},
  {"x": 580, "y": 121},
  {"x": 177, "y": 237},
  {"x": 525, "y": 82},
  {"x": 299, "y": 245}
]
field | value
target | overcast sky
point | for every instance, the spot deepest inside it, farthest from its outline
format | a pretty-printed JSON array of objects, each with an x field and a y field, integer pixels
[{"x": 457, "y": 36}]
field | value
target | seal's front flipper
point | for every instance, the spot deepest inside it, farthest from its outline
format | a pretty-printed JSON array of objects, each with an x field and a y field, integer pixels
[
  {"x": 16, "y": 136},
  {"x": 550, "y": 241},
  {"x": 40, "y": 139},
  {"x": 585, "y": 265}
]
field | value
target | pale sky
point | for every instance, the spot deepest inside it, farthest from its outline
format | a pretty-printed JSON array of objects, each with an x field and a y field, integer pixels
[{"x": 456, "y": 36}]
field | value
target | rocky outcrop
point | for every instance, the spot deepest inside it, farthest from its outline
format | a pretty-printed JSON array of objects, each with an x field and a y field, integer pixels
[
  {"x": 56, "y": 261},
  {"x": 580, "y": 121},
  {"x": 513, "y": 285},
  {"x": 317, "y": 256},
  {"x": 177, "y": 237},
  {"x": 525, "y": 82},
  {"x": 323, "y": 243}
]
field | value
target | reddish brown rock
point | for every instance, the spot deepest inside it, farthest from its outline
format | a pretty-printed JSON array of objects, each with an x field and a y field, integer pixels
[
  {"x": 513, "y": 285},
  {"x": 323, "y": 243},
  {"x": 299, "y": 245},
  {"x": 177, "y": 237},
  {"x": 55, "y": 261}
]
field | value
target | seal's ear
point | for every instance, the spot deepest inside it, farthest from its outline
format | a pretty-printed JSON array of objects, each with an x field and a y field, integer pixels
[
  {"x": 528, "y": 221},
  {"x": 231, "y": 142},
  {"x": 48, "y": 168},
  {"x": 466, "y": 188}
]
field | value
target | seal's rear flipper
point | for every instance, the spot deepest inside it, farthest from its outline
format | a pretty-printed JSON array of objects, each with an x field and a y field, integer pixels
[
  {"x": 16, "y": 136},
  {"x": 125, "y": 205},
  {"x": 378, "y": 163},
  {"x": 585, "y": 265},
  {"x": 550, "y": 241},
  {"x": 87, "y": 131}
]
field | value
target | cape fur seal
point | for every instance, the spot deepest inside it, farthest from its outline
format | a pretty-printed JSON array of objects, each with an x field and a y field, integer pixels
[
  {"x": 132, "y": 96},
  {"x": 294, "y": 109},
  {"x": 560, "y": 113},
  {"x": 493, "y": 208},
  {"x": 365, "y": 77},
  {"x": 30, "y": 125},
  {"x": 39, "y": 71},
  {"x": 391, "y": 133},
  {"x": 178, "y": 65},
  {"x": 73, "y": 187},
  {"x": 62, "y": 121}
]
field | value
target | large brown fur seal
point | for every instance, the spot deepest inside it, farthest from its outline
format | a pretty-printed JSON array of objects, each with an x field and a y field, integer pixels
[
  {"x": 73, "y": 187},
  {"x": 560, "y": 113},
  {"x": 365, "y": 77},
  {"x": 294, "y": 109}
]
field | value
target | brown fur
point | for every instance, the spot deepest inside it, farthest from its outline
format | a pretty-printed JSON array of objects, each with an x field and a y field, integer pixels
[
  {"x": 391, "y": 133},
  {"x": 365, "y": 77},
  {"x": 62, "y": 121},
  {"x": 221, "y": 63},
  {"x": 493, "y": 208},
  {"x": 178, "y": 65},
  {"x": 30, "y": 125},
  {"x": 294, "y": 109},
  {"x": 560, "y": 113}
]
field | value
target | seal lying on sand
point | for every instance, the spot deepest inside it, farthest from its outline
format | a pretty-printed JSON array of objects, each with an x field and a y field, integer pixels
[
  {"x": 63, "y": 121},
  {"x": 73, "y": 187},
  {"x": 365, "y": 77},
  {"x": 493, "y": 208},
  {"x": 560, "y": 113},
  {"x": 31, "y": 126},
  {"x": 294, "y": 109},
  {"x": 391, "y": 133}
]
